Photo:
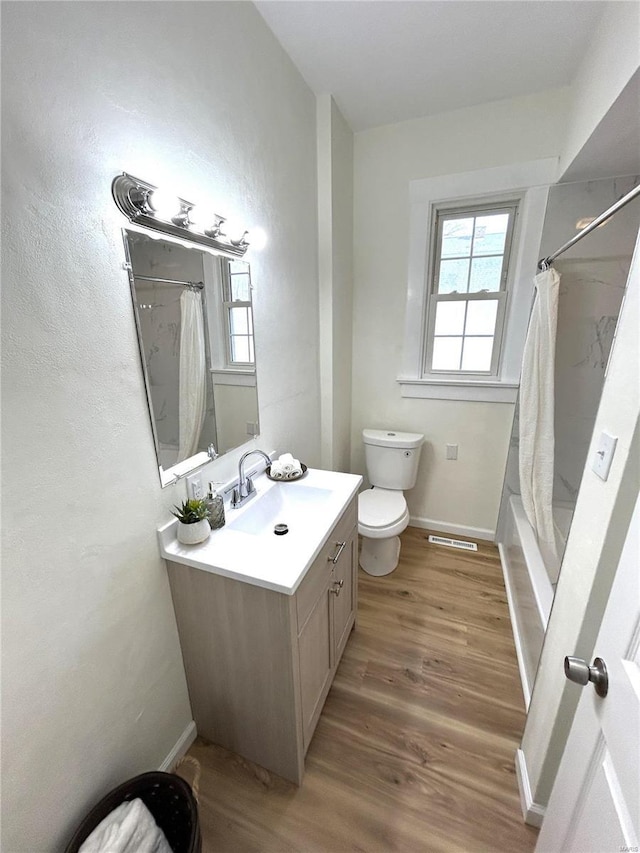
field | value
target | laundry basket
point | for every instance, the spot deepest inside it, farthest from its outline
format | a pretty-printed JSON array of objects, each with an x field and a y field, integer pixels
[{"x": 170, "y": 799}]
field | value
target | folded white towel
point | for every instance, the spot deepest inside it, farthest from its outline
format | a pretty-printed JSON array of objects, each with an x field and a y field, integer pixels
[
  {"x": 276, "y": 470},
  {"x": 290, "y": 467},
  {"x": 129, "y": 828}
]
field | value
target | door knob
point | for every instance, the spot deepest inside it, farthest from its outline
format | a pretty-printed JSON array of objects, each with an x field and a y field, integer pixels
[{"x": 580, "y": 672}]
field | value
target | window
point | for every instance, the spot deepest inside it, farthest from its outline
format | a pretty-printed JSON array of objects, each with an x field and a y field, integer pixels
[
  {"x": 460, "y": 371},
  {"x": 238, "y": 317},
  {"x": 468, "y": 289}
]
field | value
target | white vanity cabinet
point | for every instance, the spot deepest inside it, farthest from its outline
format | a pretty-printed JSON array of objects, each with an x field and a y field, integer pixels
[{"x": 259, "y": 662}]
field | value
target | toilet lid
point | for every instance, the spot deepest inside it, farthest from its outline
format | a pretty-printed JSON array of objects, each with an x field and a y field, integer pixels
[{"x": 380, "y": 507}]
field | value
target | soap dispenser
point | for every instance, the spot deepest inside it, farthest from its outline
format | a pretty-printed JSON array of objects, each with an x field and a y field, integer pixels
[{"x": 216, "y": 508}]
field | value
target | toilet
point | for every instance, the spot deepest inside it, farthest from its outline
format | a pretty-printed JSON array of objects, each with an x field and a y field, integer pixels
[{"x": 392, "y": 465}]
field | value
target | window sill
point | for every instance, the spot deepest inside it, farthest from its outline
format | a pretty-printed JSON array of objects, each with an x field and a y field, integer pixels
[
  {"x": 233, "y": 376},
  {"x": 477, "y": 390}
]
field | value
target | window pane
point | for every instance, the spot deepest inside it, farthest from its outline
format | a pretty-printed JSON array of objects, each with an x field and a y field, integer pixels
[
  {"x": 240, "y": 349},
  {"x": 490, "y": 234},
  {"x": 456, "y": 237},
  {"x": 238, "y": 321},
  {"x": 240, "y": 288},
  {"x": 481, "y": 317},
  {"x": 236, "y": 267},
  {"x": 252, "y": 357},
  {"x": 477, "y": 353},
  {"x": 453, "y": 276},
  {"x": 446, "y": 353},
  {"x": 450, "y": 318},
  {"x": 485, "y": 274}
]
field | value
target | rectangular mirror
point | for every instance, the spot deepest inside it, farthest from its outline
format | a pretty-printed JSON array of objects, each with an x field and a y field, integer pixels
[{"x": 194, "y": 320}]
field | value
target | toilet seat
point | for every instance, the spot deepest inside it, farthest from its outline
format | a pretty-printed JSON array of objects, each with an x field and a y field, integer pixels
[{"x": 382, "y": 513}]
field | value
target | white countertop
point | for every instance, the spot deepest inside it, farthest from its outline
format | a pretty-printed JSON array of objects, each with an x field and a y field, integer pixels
[{"x": 274, "y": 562}]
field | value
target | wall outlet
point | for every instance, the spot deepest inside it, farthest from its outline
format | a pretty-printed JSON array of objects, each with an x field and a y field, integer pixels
[
  {"x": 603, "y": 457},
  {"x": 452, "y": 451},
  {"x": 195, "y": 489}
]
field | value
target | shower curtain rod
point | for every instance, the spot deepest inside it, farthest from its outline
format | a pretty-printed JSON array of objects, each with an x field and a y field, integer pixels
[
  {"x": 198, "y": 284},
  {"x": 544, "y": 263}
]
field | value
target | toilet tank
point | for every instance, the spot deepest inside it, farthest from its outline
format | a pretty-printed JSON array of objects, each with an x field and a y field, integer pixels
[{"x": 392, "y": 457}]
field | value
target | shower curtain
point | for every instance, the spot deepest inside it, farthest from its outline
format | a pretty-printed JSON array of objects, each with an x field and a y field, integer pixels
[
  {"x": 192, "y": 394},
  {"x": 536, "y": 414}
]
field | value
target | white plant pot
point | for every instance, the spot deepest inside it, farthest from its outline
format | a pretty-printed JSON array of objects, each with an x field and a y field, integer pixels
[{"x": 193, "y": 534}]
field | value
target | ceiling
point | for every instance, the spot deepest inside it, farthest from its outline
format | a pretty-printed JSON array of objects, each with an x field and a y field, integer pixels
[{"x": 386, "y": 61}]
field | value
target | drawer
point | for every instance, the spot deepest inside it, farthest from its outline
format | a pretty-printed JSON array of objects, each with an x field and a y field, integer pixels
[{"x": 319, "y": 574}]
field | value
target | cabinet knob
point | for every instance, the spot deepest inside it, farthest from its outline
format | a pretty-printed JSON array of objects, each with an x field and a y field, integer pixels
[{"x": 337, "y": 587}]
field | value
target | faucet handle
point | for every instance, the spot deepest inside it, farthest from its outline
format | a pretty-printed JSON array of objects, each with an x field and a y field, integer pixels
[{"x": 250, "y": 488}]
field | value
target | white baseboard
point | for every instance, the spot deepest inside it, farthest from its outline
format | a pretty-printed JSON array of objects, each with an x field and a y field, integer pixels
[
  {"x": 181, "y": 746},
  {"x": 457, "y": 529},
  {"x": 515, "y": 627},
  {"x": 533, "y": 813}
]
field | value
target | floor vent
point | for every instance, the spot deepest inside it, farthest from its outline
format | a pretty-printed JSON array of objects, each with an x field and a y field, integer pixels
[{"x": 453, "y": 543}]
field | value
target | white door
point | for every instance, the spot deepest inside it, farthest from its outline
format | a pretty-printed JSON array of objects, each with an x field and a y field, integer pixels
[{"x": 595, "y": 802}]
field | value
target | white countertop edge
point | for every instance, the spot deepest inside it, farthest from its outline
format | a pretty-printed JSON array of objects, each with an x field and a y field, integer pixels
[{"x": 193, "y": 555}]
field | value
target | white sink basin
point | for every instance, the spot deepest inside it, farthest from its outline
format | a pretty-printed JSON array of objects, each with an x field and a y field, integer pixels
[
  {"x": 285, "y": 503},
  {"x": 247, "y": 549}
]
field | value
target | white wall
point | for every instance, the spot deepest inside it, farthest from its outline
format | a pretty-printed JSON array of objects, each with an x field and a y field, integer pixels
[
  {"x": 466, "y": 492},
  {"x": 198, "y": 95},
  {"x": 609, "y": 63},
  {"x": 235, "y": 407},
  {"x": 335, "y": 243}
]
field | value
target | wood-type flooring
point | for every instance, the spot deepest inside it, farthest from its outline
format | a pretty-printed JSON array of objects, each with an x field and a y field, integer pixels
[{"x": 415, "y": 747}]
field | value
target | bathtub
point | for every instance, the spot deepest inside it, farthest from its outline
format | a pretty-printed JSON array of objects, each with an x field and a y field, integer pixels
[{"x": 530, "y": 585}]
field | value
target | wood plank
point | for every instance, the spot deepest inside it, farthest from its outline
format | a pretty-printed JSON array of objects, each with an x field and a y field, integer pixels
[{"x": 414, "y": 750}]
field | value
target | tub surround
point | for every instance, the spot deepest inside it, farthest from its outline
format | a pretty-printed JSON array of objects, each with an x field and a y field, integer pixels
[{"x": 530, "y": 586}]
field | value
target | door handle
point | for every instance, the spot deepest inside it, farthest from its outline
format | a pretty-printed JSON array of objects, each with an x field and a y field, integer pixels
[
  {"x": 334, "y": 559},
  {"x": 579, "y": 671}
]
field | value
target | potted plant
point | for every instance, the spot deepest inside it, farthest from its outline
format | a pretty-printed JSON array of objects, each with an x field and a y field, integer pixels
[{"x": 193, "y": 522}]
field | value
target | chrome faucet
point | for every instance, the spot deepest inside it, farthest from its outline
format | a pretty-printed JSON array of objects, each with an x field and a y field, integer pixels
[{"x": 245, "y": 488}]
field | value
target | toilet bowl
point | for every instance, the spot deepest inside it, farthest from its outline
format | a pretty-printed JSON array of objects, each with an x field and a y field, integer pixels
[
  {"x": 382, "y": 516},
  {"x": 392, "y": 464}
]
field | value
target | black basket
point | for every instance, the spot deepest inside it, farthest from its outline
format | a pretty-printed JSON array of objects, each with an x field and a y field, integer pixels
[{"x": 169, "y": 799}]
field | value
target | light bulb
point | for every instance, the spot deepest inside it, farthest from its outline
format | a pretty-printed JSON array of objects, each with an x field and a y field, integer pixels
[
  {"x": 164, "y": 205},
  {"x": 258, "y": 239},
  {"x": 233, "y": 230},
  {"x": 198, "y": 218}
]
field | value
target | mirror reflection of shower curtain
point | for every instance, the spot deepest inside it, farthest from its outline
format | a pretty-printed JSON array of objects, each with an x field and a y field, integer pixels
[
  {"x": 192, "y": 398},
  {"x": 536, "y": 454}
]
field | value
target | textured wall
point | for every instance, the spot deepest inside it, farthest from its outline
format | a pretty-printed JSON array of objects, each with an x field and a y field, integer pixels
[
  {"x": 335, "y": 243},
  {"x": 194, "y": 95},
  {"x": 466, "y": 492}
]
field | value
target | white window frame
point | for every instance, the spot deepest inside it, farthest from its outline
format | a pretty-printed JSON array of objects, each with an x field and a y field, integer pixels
[
  {"x": 227, "y": 305},
  {"x": 528, "y": 183},
  {"x": 500, "y": 296}
]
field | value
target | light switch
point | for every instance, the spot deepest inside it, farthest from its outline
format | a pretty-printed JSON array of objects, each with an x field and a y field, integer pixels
[
  {"x": 452, "y": 451},
  {"x": 603, "y": 456}
]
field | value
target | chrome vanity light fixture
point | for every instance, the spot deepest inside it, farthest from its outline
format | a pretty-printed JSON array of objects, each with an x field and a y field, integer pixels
[{"x": 144, "y": 204}]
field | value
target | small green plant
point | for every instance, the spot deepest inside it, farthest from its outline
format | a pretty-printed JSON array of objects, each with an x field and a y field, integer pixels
[{"x": 192, "y": 511}]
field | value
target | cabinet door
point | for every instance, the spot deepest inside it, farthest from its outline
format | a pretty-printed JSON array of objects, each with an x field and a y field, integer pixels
[
  {"x": 344, "y": 594},
  {"x": 315, "y": 651}
]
